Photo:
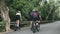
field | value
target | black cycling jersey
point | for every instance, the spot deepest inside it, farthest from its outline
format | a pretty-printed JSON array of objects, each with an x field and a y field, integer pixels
[{"x": 17, "y": 17}]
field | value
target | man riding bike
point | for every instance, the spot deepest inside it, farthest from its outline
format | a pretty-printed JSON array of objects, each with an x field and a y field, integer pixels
[
  {"x": 18, "y": 18},
  {"x": 34, "y": 15}
]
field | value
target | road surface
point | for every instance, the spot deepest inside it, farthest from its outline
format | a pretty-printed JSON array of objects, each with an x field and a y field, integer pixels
[{"x": 51, "y": 28}]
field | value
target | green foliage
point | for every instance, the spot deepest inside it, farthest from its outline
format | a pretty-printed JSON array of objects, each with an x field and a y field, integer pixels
[
  {"x": 25, "y": 6},
  {"x": 2, "y": 27}
]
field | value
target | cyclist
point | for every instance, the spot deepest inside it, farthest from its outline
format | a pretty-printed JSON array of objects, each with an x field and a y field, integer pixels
[
  {"x": 18, "y": 17},
  {"x": 34, "y": 15}
]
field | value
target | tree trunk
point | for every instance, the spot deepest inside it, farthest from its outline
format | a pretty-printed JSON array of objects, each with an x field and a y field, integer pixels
[
  {"x": 5, "y": 14},
  {"x": 42, "y": 3},
  {"x": 49, "y": 13}
]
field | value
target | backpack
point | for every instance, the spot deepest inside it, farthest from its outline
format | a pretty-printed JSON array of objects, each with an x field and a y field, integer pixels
[{"x": 35, "y": 14}]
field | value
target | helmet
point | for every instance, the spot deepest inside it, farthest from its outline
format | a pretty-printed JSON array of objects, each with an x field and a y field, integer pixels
[
  {"x": 34, "y": 10},
  {"x": 18, "y": 11}
]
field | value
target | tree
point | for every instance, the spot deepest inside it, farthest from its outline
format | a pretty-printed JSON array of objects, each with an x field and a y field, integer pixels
[
  {"x": 5, "y": 14},
  {"x": 45, "y": 9}
]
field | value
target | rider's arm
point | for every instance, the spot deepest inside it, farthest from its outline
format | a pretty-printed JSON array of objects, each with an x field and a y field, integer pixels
[
  {"x": 20, "y": 17},
  {"x": 40, "y": 18}
]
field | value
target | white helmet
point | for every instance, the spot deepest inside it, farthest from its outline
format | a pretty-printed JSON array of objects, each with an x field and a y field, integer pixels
[
  {"x": 33, "y": 10},
  {"x": 19, "y": 11}
]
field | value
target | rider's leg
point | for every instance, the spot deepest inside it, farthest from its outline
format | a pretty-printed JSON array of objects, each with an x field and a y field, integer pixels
[
  {"x": 17, "y": 23},
  {"x": 31, "y": 21},
  {"x": 31, "y": 24}
]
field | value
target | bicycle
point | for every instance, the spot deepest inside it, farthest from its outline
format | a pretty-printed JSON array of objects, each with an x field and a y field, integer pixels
[
  {"x": 35, "y": 26},
  {"x": 16, "y": 27}
]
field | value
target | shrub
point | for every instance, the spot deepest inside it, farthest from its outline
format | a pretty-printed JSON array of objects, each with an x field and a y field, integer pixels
[{"x": 2, "y": 27}]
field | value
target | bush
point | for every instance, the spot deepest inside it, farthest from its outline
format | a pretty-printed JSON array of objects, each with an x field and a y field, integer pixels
[{"x": 2, "y": 27}]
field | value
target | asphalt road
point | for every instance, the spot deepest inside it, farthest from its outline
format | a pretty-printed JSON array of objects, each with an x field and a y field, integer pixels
[{"x": 50, "y": 28}]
